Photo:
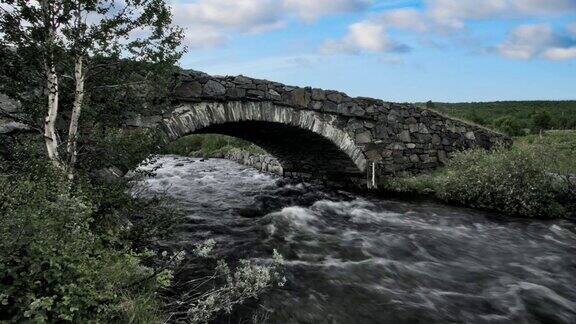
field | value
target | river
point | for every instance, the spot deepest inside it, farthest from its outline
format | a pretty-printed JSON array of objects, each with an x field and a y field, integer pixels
[{"x": 356, "y": 258}]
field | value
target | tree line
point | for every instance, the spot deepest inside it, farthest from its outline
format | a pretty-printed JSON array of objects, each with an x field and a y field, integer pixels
[{"x": 516, "y": 118}]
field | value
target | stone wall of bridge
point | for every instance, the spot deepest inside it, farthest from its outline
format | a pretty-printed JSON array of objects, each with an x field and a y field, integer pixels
[{"x": 372, "y": 135}]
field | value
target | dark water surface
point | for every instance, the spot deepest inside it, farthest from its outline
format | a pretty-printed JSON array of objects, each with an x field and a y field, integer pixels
[{"x": 359, "y": 259}]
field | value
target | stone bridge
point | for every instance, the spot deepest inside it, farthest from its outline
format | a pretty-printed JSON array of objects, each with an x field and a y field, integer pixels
[{"x": 316, "y": 133}]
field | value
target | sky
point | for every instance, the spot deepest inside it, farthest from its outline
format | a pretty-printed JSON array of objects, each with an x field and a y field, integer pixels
[{"x": 397, "y": 50}]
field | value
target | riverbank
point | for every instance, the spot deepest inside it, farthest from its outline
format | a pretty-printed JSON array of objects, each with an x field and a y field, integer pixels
[{"x": 533, "y": 179}]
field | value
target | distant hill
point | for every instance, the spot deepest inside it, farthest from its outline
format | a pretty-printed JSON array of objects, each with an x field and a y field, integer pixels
[{"x": 513, "y": 117}]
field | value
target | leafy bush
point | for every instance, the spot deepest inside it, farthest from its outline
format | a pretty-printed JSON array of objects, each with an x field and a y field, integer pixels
[
  {"x": 121, "y": 148},
  {"x": 510, "y": 125},
  {"x": 205, "y": 297},
  {"x": 534, "y": 179},
  {"x": 55, "y": 266},
  {"x": 511, "y": 181},
  {"x": 541, "y": 120}
]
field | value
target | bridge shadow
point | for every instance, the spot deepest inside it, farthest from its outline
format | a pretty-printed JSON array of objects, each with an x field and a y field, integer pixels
[{"x": 301, "y": 153}]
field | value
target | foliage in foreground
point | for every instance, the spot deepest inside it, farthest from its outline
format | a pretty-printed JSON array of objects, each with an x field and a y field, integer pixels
[
  {"x": 58, "y": 264},
  {"x": 534, "y": 179},
  {"x": 84, "y": 251}
]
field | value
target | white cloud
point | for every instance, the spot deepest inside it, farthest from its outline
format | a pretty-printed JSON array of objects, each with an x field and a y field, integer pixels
[
  {"x": 526, "y": 41},
  {"x": 198, "y": 36},
  {"x": 209, "y": 23},
  {"x": 405, "y": 18},
  {"x": 243, "y": 15},
  {"x": 363, "y": 36},
  {"x": 543, "y": 6},
  {"x": 312, "y": 9},
  {"x": 450, "y": 17},
  {"x": 454, "y": 13},
  {"x": 560, "y": 53},
  {"x": 529, "y": 41}
]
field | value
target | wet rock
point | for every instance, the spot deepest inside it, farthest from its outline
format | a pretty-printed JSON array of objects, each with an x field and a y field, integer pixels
[{"x": 249, "y": 212}]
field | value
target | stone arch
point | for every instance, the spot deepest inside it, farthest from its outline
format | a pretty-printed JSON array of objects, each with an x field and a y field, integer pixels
[{"x": 307, "y": 143}]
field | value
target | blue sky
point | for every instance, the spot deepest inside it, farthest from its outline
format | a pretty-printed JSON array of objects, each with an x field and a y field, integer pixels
[{"x": 399, "y": 50}]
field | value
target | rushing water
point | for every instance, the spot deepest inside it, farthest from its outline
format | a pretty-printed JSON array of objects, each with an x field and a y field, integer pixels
[{"x": 360, "y": 259}]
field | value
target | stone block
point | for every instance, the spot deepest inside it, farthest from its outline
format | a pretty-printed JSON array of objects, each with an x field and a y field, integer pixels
[
  {"x": 300, "y": 97},
  {"x": 189, "y": 89},
  {"x": 364, "y": 137},
  {"x": 335, "y": 97},
  {"x": 318, "y": 94},
  {"x": 213, "y": 89},
  {"x": 404, "y": 136},
  {"x": 242, "y": 80},
  {"x": 235, "y": 93}
]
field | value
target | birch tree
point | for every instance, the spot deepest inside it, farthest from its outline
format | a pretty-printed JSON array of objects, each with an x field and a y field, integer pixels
[{"x": 68, "y": 36}]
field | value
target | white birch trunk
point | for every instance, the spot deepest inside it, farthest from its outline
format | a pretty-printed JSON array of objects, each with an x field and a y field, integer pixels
[
  {"x": 50, "y": 137},
  {"x": 76, "y": 110}
]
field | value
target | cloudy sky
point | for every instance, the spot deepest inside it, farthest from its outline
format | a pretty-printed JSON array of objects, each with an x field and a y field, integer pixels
[{"x": 401, "y": 50}]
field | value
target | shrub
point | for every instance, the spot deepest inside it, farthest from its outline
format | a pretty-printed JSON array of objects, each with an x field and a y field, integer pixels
[
  {"x": 510, "y": 125},
  {"x": 541, "y": 120},
  {"x": 510, "y": 181},
  {"x": 124, "y": 149},
  {"x": 534, "y": 179},
  {"x": 54, "y": 266}
]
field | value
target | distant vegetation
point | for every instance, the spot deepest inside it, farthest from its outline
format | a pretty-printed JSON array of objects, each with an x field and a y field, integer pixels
[
  {"x": 514, "y": 118},
  {"x": 209, "y": 145}
]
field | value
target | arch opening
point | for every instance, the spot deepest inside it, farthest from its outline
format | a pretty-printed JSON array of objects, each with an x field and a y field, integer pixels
[{"x": 301, "y": 153}]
